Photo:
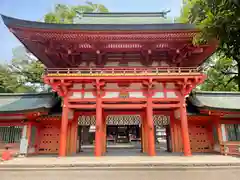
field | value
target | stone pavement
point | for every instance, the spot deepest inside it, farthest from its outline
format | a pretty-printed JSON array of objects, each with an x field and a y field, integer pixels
[
  {"x": 165, "y": 160},
  {"x": 205, "y": 174}
]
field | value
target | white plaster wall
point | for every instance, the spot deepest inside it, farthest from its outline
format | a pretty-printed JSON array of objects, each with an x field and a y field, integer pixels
[
  {"x": 76, "y": 95},
  {"x": 115, "y": 63},
  {"x": 135, "y": 86},
  {"x": 158, "y": 86},
  {"x": 111, "y": 86},
  {"x": 77, "y": 86},
  {"x": 170, "y": 85},
  {"x": 85, "y": 95},
  {"x": 88, "y": 86},
  {"x": 111, "y": 95},
  {"x": 24, "y": 132},
  {"x": 136, "y": 95},
  {"x": 24, "y": 142},
  {"x": 158, "y": 95},
  {"x": 131, "y": 95},
  {"x": 132, "y": 64},
  {"x": 89, "y": 95},
  {"x": 224, "y": 135},
  {"x": 171, "y": 95}
]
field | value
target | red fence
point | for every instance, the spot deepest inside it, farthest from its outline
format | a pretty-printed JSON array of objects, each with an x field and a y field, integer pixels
[
  {"x": 230, "y": 148},
  {"x": 123, "y": 70}
]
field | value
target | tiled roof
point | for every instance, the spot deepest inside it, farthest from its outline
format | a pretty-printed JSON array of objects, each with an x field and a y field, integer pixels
[
  {"x": 18, "y": 102},
  {"x": 216, "y": 100},
  {"x": 103, "y": 23}
]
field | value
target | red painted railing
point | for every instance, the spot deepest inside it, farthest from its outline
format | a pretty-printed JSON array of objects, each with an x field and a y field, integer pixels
[
  {"x": 122, "y": 70},
  {"x": 230, "y": 148}
]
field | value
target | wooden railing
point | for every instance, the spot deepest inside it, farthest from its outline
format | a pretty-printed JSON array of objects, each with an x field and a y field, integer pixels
[
  {"x": 120, "y": 71},
  {"x": 230, "y": 148}
]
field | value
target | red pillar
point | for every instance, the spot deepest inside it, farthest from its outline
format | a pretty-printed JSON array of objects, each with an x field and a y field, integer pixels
[
  {"x": 104, "y": 134},
  {"x": 172, "y": 131},
  {"x": 99, "y": 130},
  {"x": 150, "y": 128},
  {"x": 184, "y": 129},
  {"x": 219, "y": 129},
  {"x": 145, "y": 135},
  {"x": 64, "y": 128},
  {"x": 29, "y": 133}
]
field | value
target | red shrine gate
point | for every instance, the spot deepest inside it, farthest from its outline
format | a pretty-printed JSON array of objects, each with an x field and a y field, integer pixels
[
  {"x": 149, "y": 81},
  {"x": 101, "y": 67}
]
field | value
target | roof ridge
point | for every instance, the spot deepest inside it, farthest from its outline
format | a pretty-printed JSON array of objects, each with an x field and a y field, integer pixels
[
  {"x": 26, "y": 94},
  {"x": 216, "y": 92},
  {"x": 16, "y": 22},
  {"x": 123, "y": 14}
]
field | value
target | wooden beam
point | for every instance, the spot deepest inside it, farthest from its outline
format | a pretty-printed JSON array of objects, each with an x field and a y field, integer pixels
[
  {"x": 166, "y": 106},
  {"x": 82, "y": 106},
  {"x": 123, "y": 106}
]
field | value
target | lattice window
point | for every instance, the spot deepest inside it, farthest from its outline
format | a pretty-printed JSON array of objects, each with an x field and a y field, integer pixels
[
  {"x": 233, "y": 132},
  {"x": 10, "y": 134},
  {"x": 123, "y": 119},
  {"x": 161, "y": 120},
  {"x": 86, "y": 120}
]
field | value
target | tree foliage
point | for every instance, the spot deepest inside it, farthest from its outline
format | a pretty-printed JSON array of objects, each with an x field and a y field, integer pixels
[
  {"x": 66, "y": 14},
  {"x": 219, "y": 19},
  {"x": 218, "y": 78},
  {"x": 24, "y": 73},
  {"x": 10, "y": 83},
  {"x": 27, "y": 69}
]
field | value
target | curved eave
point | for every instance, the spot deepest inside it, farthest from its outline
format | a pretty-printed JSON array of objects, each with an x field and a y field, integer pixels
[
  {"x": 19, "y": 102},
  {"x": 219, "y": 109},
  {"x": 13, "y": 22},
  {"x": 223, "y": 101}
]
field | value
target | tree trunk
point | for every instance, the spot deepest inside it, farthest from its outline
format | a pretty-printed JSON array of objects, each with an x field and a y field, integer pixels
[{"x": 238, "y": 75}]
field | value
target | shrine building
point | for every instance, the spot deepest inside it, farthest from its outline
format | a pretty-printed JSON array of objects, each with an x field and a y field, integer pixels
[{"x": 118, "y": 78}]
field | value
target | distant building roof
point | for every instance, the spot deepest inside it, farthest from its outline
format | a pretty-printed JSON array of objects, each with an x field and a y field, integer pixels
[
  {"x": 19, "y": 102},
  {"x": 123, "y": 14},
  {"x": 216, "y": 100},
  {"x": 122, "y": 18}
]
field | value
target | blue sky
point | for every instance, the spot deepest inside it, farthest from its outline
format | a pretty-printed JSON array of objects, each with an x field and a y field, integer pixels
[{"x": 35, "y": 10}]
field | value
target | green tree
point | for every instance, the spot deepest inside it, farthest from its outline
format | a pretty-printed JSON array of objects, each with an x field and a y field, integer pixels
[
  {"x": 218, "y": 78},
  {"x": 27, "y": 69},
  {"x": 218, "y": 19},
  {"x": 4, "y": 86},
  {"x": 10, "y": 83},
  {"x": 24, "y": 73},
  {"x": 65, "y": 14}
]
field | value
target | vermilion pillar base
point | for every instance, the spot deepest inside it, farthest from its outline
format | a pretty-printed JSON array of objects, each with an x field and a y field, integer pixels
[
  {"x": 219, "y": 130},
  {"x": 104, "y": 135},
  {"x": 150, "y": 129},
  {"x": 184, "y": 129},
  {"x": 145, "y": 135},
  {"x": 63, "y": 133},
  {"x": 99, "y": 128},
  {"x": 172, "y": 131}
]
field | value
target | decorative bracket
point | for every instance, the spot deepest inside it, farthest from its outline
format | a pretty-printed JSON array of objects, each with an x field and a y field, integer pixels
[{"x": 60, "y": 87}]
